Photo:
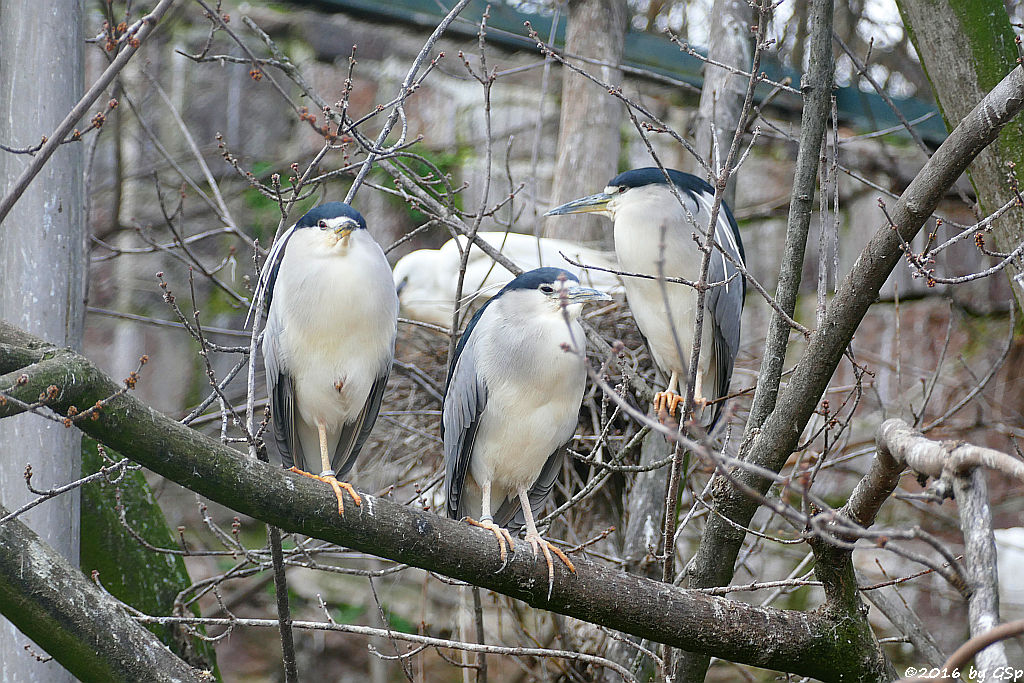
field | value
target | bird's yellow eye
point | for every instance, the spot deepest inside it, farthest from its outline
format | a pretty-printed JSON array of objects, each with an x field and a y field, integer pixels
[
  {"x": 546, "y": 289},
  {"x": 322, "y": 224}
]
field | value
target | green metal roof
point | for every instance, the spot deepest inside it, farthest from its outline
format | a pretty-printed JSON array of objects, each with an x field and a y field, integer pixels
[{"x": 865, "y": 111}]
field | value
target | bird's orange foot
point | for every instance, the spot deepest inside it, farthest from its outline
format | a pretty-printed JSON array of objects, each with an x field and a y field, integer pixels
[
  {"x": 502, "y": 535},
  {"x": 666, "y": 402},
  {"x": 338, "y": 486},
  {"x": 537, "y": 542}
]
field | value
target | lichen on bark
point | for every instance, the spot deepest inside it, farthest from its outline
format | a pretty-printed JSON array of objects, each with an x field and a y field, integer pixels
[{"x": 146, "y": 580}]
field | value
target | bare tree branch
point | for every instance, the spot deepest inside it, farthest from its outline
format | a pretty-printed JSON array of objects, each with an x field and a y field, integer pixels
[
  {"x": 81, "y": 626},
  {"x": 803, "y": 643},
  {"x": 980, "y": 558},
  {"x": 942, "y": 459},
  {"x": 133, "y": 38},
  {"x": 772, "y": 445}
]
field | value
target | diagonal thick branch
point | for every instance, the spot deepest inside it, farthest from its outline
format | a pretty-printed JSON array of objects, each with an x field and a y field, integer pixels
[
  {"x": 772, "y": 445},
  {"x": 802, "y": 643},
  {"x": 51, "y": 602}
]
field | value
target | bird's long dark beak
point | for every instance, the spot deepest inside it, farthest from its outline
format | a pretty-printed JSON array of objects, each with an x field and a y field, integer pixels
[
  {"x": 595, "y": 203},
  {"x": 580, "y": 295}
]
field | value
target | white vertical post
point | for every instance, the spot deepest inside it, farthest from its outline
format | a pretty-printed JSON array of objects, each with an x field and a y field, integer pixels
[{"x": 42, "y": 269}]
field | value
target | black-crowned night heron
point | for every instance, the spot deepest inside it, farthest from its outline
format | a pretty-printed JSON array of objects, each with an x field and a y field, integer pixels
[
  {"x": 512, "y": 401},
  {"x": 646, "y": 214},
  {"x": 427, "y": 279},
  {"x": 328, "y": 342}
]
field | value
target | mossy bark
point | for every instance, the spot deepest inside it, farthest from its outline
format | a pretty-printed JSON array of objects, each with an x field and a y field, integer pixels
[
  {"x": 146, "y": 580},
  {"x": 89, "y": 634},
  {"x": 966, "y": 48}
]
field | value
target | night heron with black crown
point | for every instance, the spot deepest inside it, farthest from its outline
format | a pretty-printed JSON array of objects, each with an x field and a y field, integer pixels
[
  {"x": 329, "y": 341},
  {"x": 512, "y": 401},
  {"x": 656, "y": 236}
]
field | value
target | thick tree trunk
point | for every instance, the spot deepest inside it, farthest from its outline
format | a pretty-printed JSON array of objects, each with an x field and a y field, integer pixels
[
  {"x": 966, "y": 47},
  {"x": 588, "y": 134},
  {"x": 42, "y": 265}
]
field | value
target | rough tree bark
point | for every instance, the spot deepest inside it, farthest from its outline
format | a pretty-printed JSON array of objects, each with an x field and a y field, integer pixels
[
  {"x": 68, "y": 616},
  {"x": 42, "y": 286},
  {"x": 966, "y": 47},
  {"x": 806, "y": 643},
  {"x": 588, "y": 133},
  {"x": 771, "y": 445}
]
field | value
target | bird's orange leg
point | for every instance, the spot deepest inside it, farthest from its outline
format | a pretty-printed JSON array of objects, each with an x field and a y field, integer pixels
[
  {"x": 536, "y": 541},
  {"x": 505, "y": 542},
  {"x": 698, "y": 396},
  {"x": 666, "y": 402},
  {"x": 327, "y": 475}
]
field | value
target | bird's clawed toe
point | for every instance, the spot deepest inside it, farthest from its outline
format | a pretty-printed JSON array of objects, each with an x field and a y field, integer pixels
[
  {"x": 546, "y": 547},
  {"x": 338, "y": 487},
  {"x": 505, "y": 542},
  {"x": 666, "y": 402}
]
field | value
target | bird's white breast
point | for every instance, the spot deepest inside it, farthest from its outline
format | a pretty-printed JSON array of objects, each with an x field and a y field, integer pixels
[
  {"x": 640, "y": 243},
  {"x": 337, "y": 308},
  {"x": 534, "y": 390}
]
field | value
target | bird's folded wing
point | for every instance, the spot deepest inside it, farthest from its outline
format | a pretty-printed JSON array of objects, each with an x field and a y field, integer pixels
[
  {"x": 510, "y": 513},
  {"x": 464, "y": 403},
  {"x": 281, "y": 394},
  {"x": 725, "y": 304},
  {"x": 355, "y": 433}
]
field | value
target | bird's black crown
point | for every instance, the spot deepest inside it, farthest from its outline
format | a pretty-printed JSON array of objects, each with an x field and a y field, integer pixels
[
  {"x": 330, "y": 210},
  {"x": 639, "y": 177},
  {"x": 532, "y": 279}
]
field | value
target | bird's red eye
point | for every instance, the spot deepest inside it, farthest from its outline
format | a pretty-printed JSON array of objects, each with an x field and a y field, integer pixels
[
  {"x": 322, "y": 224},
  {"x": 621, "y": 189}
]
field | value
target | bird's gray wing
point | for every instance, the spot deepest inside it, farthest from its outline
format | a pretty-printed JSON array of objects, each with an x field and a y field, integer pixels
[
  {"x": 725, "y": 303},
  {"x": 280, "y": 392},
  {"x": 268, "y": 277},
  {"x": 355, "y": 433},
  {"x": 464, "y": 401},
  {"x": 510, "y": 513}
]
